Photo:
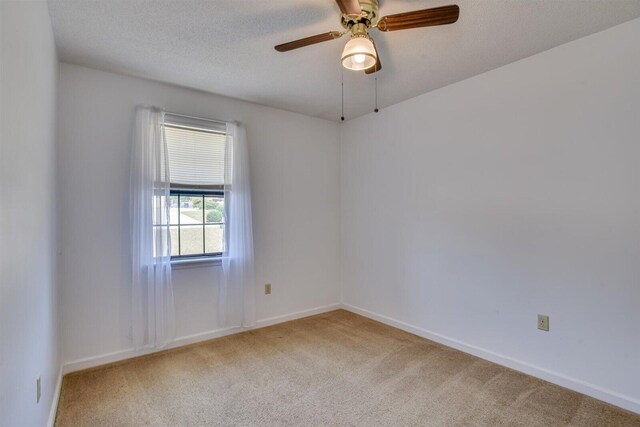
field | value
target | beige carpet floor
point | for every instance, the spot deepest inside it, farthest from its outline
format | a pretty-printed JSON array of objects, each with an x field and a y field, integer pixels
[{"x": 333, "y": 369}]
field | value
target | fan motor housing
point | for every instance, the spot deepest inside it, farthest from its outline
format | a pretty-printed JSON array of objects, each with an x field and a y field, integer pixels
[{"x": 369, "y": 15}]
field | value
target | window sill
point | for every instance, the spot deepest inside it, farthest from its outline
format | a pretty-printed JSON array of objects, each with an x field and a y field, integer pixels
[{"x": 178, "y": 264}]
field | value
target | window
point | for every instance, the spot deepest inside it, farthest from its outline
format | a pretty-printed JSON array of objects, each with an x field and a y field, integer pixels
[
  {"x": 197, "y": 223},
  {"x": 196, "y": 151}
]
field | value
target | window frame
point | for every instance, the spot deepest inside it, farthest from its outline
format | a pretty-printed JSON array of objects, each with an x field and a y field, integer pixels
[{"x": 218, "y": 193}]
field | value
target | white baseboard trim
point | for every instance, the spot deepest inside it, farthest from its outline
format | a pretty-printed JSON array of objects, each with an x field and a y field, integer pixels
[
  {"x": 295, "y": 315},
  {"x": 600, "y": 393},
  {"x": 54, "y": 402},
  {"x": 116, "y": 356}
]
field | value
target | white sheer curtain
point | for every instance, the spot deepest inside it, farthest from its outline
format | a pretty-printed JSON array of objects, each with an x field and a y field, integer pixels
[
  {"x": 237, "y": 290},
  {"x": 152, "y": 292}
]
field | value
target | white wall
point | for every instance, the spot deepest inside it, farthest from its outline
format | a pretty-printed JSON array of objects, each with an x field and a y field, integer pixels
[
  {"x": 28, "y": 295},
  {"x": 294, "y": 176},
  {"x": 468, "y": 210}
]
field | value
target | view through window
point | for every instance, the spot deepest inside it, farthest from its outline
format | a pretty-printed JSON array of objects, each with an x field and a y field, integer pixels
[{"x": 197, "y": 224}]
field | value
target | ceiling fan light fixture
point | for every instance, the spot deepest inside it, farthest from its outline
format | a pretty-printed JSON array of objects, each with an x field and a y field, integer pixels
[{"x": 359, "y": 53}]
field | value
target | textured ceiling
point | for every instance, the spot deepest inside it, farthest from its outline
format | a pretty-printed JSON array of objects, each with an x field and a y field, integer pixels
[{"x": 226, "y": 46}]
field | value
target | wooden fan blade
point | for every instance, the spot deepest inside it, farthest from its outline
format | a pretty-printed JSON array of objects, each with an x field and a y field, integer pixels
[
  {"x": 318, "y": 38},
  {"x": 350, "y": 7},
  {"x": 377, "y": 66},
  {"x": 420, "y": 18}
]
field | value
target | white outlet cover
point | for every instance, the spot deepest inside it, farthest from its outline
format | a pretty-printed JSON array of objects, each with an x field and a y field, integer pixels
[{"x": 543, "y": 322}]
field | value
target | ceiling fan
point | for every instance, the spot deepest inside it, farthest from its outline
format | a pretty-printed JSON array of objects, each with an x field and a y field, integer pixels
[{"x": 359, "y": 17}]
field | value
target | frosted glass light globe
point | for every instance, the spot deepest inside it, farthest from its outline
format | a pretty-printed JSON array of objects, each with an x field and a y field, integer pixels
[{"x": 359, "y": 53}]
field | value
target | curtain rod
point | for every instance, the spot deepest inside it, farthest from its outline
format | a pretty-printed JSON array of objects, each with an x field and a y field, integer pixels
[{"x": 196, "y": 118}]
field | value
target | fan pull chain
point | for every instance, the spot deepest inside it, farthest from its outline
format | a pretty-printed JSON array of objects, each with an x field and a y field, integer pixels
[
  {"x": 375, "y": 110},
  {"x": 342, "y": 87}
]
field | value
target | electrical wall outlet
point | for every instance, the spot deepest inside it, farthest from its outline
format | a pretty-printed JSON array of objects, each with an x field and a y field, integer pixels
[
  {"x": 38, "y": 389},
  {"x": 267, "y": 289},
  {"x": 543, "y": 322}
]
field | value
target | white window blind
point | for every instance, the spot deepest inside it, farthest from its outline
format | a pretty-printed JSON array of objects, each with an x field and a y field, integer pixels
[{"x": 196, "y": 151}]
